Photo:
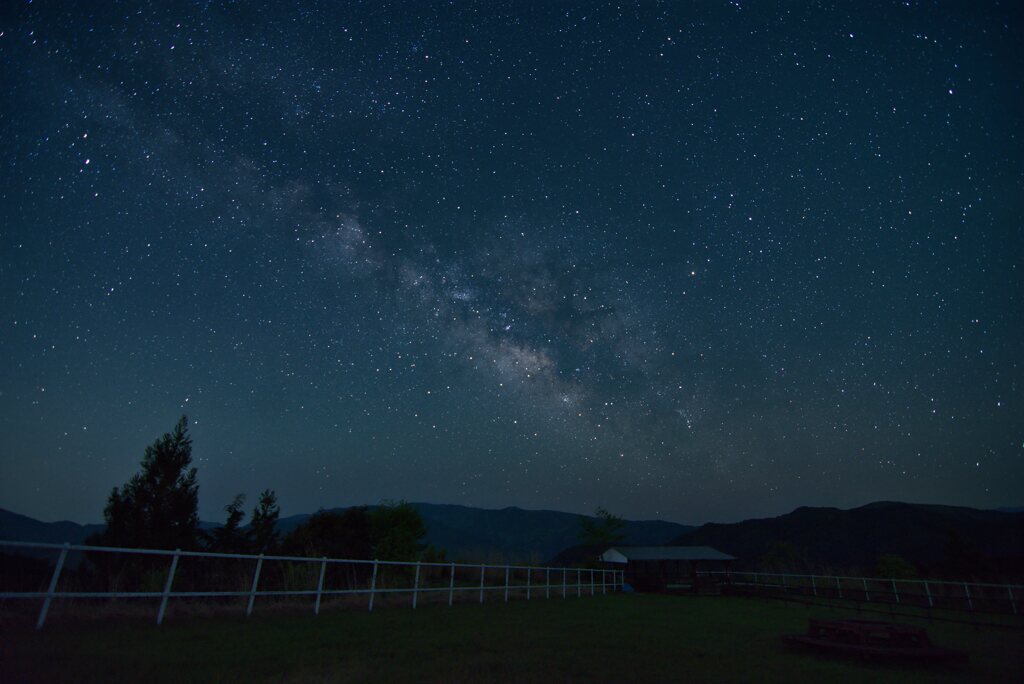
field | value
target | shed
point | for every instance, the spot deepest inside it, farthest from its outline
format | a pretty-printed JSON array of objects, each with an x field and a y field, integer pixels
[{"x": 659, "y": 567}]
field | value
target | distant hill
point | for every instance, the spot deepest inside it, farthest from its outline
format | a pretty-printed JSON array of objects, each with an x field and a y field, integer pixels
[
  {"x": 466, "y": 533},
  {"x": 941, "y": 540},
  {"x": 513, "y": 534},
  {"x": 15, "y": 527}
]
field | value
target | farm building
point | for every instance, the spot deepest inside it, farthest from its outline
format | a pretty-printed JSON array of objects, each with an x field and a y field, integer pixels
[{"x": 658, "y": 567}]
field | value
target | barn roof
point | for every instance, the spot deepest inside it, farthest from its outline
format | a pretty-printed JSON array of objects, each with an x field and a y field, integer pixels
[{"x": 624, "y": 554}]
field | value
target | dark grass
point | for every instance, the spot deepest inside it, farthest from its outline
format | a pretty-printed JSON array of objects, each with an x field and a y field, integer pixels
[
  {"x": 614, "y": 638},
  {"x": 891, "y": 611}
]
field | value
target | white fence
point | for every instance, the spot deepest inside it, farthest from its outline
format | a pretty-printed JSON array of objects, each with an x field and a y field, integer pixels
[
  {"x": 965, "y": 596},
  {"x": 433, "y": 579}
]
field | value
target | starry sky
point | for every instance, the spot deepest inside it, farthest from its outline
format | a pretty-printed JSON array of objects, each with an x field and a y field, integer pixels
[{"x": 695, "y": 261}]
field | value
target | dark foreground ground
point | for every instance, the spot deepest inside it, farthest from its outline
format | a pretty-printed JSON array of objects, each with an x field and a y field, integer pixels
[{"x": 615, "y": 638}]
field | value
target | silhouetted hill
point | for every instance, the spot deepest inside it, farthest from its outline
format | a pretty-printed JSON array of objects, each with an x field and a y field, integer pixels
[
  {"x": 940, "y": 540},
  {"x": 466, "y": 533},
  {"x": 513, "y": 534},
  {"x": 15, "y": 527}
]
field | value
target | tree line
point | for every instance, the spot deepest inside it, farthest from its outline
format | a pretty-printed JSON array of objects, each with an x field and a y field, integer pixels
[{"x": 158, "y": 508}]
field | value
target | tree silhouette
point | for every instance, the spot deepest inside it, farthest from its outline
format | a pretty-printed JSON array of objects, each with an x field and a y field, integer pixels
[
  {"x": 331, "y": 534},
  {"x": 781, "y": 556},
  {"x": 230, "y": 537},
  {"x": 606, "y": 529},
  {"x": 158, "y": 508},
  {"x": 895, "y": 566},
  {"x": 391, "y": 531},
  {"x": 397, "y": 529},
  {"x": 264, "y": 522}
]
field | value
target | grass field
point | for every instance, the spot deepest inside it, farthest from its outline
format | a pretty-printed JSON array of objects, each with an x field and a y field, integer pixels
[{"x": 615, "y": 638}]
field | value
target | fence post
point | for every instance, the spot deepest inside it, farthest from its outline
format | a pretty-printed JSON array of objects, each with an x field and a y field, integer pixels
[
  {"x": 814, "y": 589},
  {"x": 929, "y": 593},
  {"x": 604, "y": 582},
  {"x": 167, "y": 587},
  {"x": 1013, "y": 606},
  {"x": 591, "y": 581},
  {"x": 563, "y": 582},
  {"x": 529, "y": 571},
  {"x": 482, "y": 570},
  {"x": 451, "y": 585},
  {"x": 839, "y": 588},
  {"x": 547, "y": 584},
  {"x": 895, "y": 591},
  {"x": 320, "y": 585},
  {"x": 506, "y": 584},
  {"x": 255, "y": 582},
  {"x": 867, "y": 596},
  {"x": 970, "y": 603},
  {"x": 373, "y": 585},
  {"x": 783, "y": 583},
  {"x": 53, "y": 584},
  {"x": 579, "y": 583},
  {"x": 416, "y": 586}
]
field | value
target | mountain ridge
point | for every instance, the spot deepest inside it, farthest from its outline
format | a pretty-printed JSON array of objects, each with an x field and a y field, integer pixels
[
  {"x": 509, "y": 534},
  {"x": 940, "y": 540},
  {"x": 512, "y": 533}
]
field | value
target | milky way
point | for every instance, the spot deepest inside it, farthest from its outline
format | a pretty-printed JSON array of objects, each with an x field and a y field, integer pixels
[{"x": 698, "y": 263}]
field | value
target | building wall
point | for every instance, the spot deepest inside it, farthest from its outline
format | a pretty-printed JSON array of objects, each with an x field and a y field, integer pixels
[{"x": 655, "y": 574}]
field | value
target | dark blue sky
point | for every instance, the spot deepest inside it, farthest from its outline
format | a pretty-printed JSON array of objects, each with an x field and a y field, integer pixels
[{"x": 693, "y": 261}]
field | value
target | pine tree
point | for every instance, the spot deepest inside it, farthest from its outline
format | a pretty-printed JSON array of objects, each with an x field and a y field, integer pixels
[{"x": 158, "y": 508}]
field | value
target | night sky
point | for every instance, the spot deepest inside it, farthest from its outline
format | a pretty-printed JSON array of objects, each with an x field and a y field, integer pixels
[{"x": 696, "y": 261}]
